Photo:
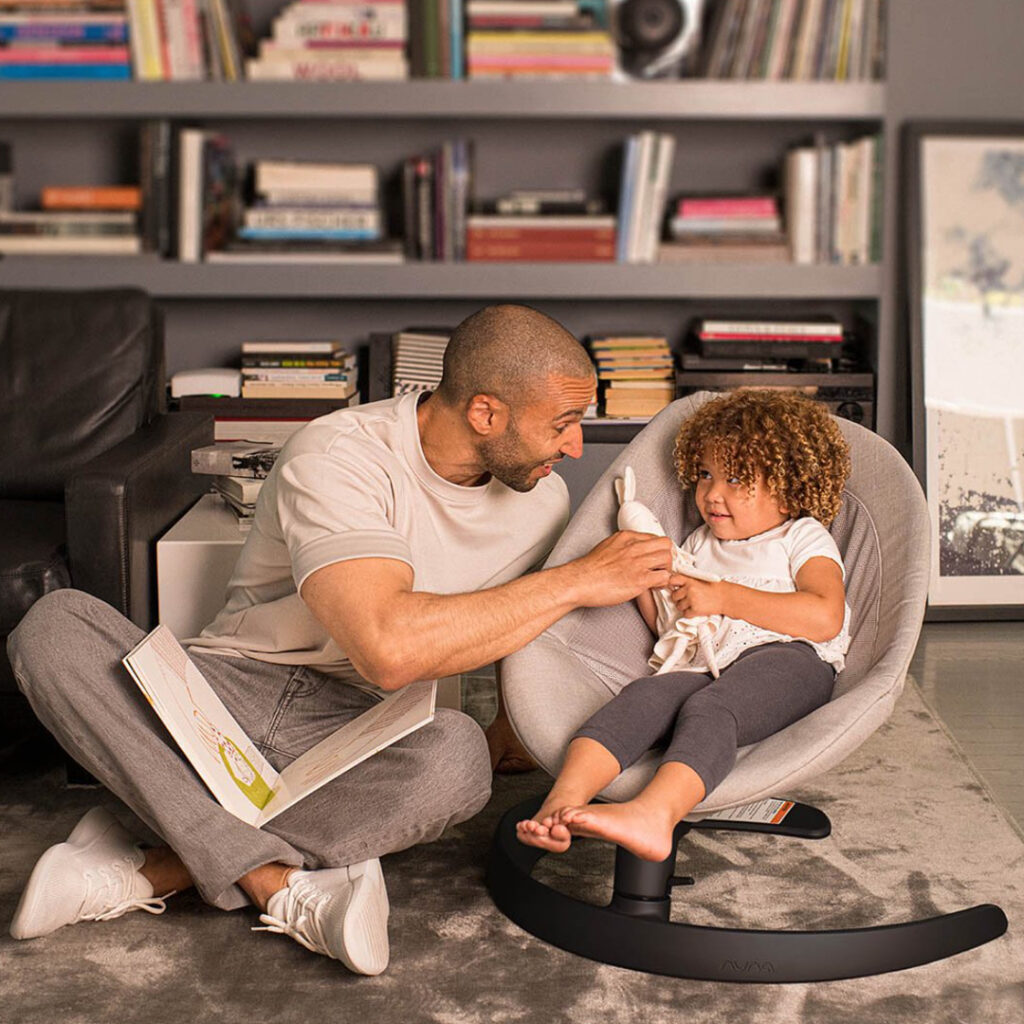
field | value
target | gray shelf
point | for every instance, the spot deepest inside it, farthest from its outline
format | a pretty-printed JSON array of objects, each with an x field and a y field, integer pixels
[
  {"x": 428, "y": 98},
  {"x": 611, "y": 431},
  {"x": 170, "y": 280}
]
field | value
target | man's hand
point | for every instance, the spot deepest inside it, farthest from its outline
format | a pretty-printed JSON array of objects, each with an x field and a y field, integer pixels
[{"x": 620, "y": 568}]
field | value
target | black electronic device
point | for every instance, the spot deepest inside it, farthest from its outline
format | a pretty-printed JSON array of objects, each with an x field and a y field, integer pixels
[{"x": 655, "y": 38}]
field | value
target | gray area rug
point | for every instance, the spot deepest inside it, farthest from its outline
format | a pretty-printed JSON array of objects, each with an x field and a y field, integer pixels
[{"x": 914, "y": 834}]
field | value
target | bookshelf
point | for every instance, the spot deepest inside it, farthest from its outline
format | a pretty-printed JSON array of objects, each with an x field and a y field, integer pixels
[{"x": 730, "y": 135}]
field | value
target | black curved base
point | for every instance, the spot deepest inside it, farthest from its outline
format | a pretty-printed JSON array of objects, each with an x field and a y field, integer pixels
[{"x": 634, "y": 930}]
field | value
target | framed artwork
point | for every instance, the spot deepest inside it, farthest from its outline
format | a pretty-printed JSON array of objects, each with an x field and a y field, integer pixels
[{"x": 966, "y": 276}]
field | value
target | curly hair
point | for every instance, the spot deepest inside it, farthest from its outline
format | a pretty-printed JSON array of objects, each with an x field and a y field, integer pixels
[{"x": 789, "y": 439}]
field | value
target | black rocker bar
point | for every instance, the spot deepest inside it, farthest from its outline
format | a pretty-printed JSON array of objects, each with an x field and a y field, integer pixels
[{"x": 634, "y": 930}]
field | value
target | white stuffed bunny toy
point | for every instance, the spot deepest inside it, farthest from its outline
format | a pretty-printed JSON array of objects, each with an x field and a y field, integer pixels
[{"x": 682, "y": 642}]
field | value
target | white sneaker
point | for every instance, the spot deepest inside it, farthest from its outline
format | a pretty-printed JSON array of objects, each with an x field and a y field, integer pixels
[
  {"x": 339, "y": 912},
  {"x": 92, "y": 876}
]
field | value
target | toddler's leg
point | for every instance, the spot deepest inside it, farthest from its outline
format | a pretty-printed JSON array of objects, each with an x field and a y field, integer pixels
[
  {"x": 760, "y": 693},
  {"x": 608, "y": 742},
  {"x": 763, "y": 691}
]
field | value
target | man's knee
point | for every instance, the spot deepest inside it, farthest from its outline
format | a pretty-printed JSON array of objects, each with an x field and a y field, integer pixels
[
  {"x": 463, "y": 765},
  {"x": 43, "y": 642}
]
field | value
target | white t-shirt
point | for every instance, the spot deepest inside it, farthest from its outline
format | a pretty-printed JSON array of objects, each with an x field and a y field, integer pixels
[
  {"x": 355, "y": 484},
  {"x": 768, "y": 561}
]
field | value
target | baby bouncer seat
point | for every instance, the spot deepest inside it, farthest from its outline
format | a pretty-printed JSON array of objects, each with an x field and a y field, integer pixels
[{"x": 556, "y": 682}]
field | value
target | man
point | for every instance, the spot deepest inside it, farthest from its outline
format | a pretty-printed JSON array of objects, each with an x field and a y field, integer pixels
[{"x": 391, "y": 543}]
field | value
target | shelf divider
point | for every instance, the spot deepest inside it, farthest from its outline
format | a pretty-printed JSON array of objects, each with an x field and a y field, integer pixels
[
  {"x": 585, "y": 281},
  {"x": 687, "y": 99}
]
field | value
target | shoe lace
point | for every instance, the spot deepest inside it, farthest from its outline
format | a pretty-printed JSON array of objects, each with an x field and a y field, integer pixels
[
  {"x": 301, "y": 916},
  {"x": 109, "y": 893}
]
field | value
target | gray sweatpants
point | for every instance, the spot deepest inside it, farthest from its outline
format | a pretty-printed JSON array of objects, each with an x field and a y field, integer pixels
[
  {"x": 66, "y": 654},
  {"x": 704, "y": 721}
]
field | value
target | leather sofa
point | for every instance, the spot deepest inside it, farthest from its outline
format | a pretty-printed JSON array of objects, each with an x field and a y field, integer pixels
[{"x": 92, "y": 466}]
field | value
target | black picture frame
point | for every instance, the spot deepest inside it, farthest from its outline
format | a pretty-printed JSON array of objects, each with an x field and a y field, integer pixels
[{"x": 964, "y": 541}]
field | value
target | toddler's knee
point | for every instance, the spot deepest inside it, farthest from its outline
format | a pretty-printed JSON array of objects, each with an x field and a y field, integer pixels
[{"x": 707, "y": 703}]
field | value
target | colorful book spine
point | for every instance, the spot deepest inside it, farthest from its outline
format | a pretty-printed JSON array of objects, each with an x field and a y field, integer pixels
[
  {"x": 312, "y": 234},
  {"x": 512, "y": 252},
  {"x": 25, "y": 72},
  {"x": 116, "y": 31},
  {"x": 65, "y": 55},
  {"x": 728, "y": 207},
  {"x": 109, "y": 197}
]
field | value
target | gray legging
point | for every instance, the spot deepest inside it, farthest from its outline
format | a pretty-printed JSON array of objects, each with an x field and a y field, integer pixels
[{"x": 703, "y": 720}]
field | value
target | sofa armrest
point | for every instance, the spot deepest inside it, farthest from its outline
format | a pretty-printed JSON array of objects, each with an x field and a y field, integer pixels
[{"x": 119, "y": 503}]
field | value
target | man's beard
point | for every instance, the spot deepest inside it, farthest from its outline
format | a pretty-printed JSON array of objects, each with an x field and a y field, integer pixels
[{"x": 502, "y": 458}]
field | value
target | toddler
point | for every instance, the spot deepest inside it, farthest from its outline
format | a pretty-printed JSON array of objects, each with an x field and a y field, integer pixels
[{"x": 768, "y": 469}]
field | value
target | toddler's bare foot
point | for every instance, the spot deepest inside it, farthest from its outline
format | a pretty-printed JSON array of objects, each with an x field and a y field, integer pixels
[
  {"x": 546, "y": 828},
  {"x": 640, "y": 828},
  {"x": 553, "y": 837}
]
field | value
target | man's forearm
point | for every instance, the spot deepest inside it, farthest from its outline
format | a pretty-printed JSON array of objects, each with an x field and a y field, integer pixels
[
  {"x": 394, "y": 634},
  {"x": 443, "y": 634}
]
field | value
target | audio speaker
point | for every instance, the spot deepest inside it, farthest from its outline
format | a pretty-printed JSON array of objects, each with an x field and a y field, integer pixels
[{"x": 655, "y": 38}]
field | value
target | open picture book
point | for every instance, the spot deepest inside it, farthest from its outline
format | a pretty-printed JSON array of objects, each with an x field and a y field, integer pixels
[{"x": 229, "y": 762}]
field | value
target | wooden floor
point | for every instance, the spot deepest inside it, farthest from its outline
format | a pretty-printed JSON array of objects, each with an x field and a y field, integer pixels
[{"x": 972, "y": 675}]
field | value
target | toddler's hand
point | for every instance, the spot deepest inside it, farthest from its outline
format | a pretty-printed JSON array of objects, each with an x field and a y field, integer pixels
[{"x": 696, "y": 597}]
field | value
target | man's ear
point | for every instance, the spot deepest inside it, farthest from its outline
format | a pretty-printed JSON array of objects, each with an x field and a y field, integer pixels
[{"x": 487, "y": 415}]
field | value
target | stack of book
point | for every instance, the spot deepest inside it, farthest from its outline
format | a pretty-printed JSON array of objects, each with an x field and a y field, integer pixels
[
  {"x": 307, "y": 211},
  {"x": 437, "y": 191},
  {"x": 774, "y": 342},
  {"x": 47, "y": 232},
  {"x": 238, "y": 469},
  {"x": 269, "y": 421},
  {"x": 335, "y": 41},
  {"x": 418, "y": 358},
  {"x": 812, "y": 355},
  {"x": 834, "y": 201},
  {"x": 189, "y": 40},
  {"x": 537, "y": 39},
  {"x": 64, "y": 39},
  {"x": 635, "y": 374},
  {"x": 541, "y": 225},
  {"x": 724, "y": 228},
  {"x": 297, "y": 369},
  {"x": 646, "y": 173},
  {"x": 72, "y": 220},
  {"x": 834, "y": 40}
]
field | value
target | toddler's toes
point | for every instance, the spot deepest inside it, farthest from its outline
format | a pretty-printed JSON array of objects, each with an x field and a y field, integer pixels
[
  {"x": 560, "y": 832},
  {"x": 567, "y": 815},
  {"x": 531, "y": 827}
]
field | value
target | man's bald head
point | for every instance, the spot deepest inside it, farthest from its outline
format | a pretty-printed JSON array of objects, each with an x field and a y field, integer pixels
[{"x": 509, "y": 352}]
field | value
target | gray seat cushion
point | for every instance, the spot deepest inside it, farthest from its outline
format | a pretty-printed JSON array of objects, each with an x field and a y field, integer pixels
[{"x": 556, "y": 682}]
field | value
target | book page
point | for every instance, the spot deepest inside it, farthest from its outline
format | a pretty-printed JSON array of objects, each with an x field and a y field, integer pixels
[
  {"x": 396, "y": 716},
  {"x": 226, "y": 759}
]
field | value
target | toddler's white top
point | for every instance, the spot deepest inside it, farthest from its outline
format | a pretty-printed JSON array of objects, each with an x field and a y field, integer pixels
[{"x": 767, "y": 561}]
